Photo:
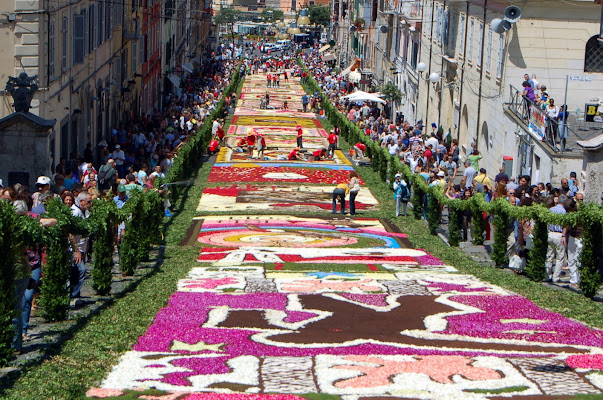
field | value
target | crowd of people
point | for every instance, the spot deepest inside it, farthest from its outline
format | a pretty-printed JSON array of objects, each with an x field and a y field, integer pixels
[
  {"x": 134, "y": 154},
  {"x": 434, "y": 154}
]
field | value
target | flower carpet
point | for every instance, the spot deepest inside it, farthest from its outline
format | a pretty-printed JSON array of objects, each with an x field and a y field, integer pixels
[
  {"x": 278, "y": 306},
  {"x": 235, "y": 198}
]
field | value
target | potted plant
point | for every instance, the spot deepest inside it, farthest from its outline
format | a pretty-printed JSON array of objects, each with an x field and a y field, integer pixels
[{"x": 359, "y": 23}]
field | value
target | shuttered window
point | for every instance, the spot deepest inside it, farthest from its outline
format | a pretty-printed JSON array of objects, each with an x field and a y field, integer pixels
[{"x": 79, "y": 39}]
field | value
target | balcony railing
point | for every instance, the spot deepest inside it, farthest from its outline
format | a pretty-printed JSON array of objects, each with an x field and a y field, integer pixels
[{"x": 551, "y": 131}]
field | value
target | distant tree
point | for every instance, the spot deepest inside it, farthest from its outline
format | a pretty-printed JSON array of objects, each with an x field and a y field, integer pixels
[
  {"x": 271, "y": 15},
  {"x": 228, "y": 16},
  {"x": 319, "y": 15}
]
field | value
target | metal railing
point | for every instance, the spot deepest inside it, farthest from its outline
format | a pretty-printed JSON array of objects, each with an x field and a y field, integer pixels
[{"x": 559, "y": 135}]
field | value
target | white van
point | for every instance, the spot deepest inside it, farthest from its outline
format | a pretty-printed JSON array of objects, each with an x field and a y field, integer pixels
[{"x": 284, "y": 44}]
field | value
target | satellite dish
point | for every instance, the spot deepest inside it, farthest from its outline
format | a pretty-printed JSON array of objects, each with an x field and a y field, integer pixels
[
  {"x": 512, "y": 14},
  {"x": 384, "y": 28},
  {"x": 579, "y": 111},
  {"x": 500, "y": 25}
]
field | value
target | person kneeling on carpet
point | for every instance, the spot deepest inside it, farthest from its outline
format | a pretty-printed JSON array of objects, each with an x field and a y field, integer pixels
[
  {"x": 214, "y": 146},
  {"x": 318, "y": 155}
]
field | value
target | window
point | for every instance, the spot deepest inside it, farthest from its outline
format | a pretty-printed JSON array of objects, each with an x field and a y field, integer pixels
[
  {"x": 100, "y": 16},
  {"x": 134, "y": 51},
  {"x": 480, "y": 39},
  {"x": 108, "y": 22},
  {"x": 117, "y": 72},
  {"x": 593, "y": 58},
  {"x": 414, "y": 55},
  {"x": 79, "y": 39},
  {"x": 91, "y": 29},
  {"x": 141, "y": 49},
  {"x": 489, "y": 51},
  {"x": 462, "y": 36},
  {"x": 470, "y": 41},
  {"x": 64, "y": 43},
  {"x": 445, "y": 25},
  {"x": 51, "y": 50},
  {"x": 501, "y": 53}
]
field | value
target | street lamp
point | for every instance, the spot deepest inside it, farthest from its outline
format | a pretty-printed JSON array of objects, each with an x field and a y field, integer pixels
[
  {"x": 421, "y": 67},
  {"x": 303, "y": 18}
]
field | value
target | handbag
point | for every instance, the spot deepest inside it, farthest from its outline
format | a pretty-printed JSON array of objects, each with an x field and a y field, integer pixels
[{"x": 517, "y": 263}]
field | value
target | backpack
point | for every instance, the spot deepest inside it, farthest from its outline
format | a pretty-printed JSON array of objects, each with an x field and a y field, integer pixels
[
  {"x": 102, "y": 174},
  {"x": 405, "y": 195}
]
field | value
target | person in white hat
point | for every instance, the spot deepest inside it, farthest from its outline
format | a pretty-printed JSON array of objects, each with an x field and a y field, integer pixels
[
  {"x": 43, "y": 185},
  {"x": 119, "y": 156},
  {"x": 401, "y": 194}
]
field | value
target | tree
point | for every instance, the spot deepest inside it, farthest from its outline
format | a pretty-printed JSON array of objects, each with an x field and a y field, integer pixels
[
  {"x": 228, "y": 16},
  {"x": 391, "y": 92},
  {"x": 319, "y": 15},
  {"x": 271, "y": 15}
]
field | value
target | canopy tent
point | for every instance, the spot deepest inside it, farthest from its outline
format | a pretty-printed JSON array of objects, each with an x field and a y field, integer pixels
[
  {"x": 359, "y": 95},
  {"x": 324, "y": 48},
  {"x": 329, "y": 57}
]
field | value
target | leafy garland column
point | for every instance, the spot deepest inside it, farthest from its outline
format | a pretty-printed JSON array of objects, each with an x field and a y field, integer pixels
[
  {"x": 536, "y": 267},
  {"x": 590, "y": 277}
]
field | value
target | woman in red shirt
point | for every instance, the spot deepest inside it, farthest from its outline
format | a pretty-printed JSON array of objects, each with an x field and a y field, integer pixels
[{"x": 300, "y": 133}]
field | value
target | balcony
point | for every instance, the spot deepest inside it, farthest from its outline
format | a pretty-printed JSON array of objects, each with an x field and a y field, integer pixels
[{"x": 533, "y": 119}]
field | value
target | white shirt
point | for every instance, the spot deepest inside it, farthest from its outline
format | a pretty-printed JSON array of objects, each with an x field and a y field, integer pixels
[
  {"x": 432, "y": 141},
  {"x": 82, "y": 241},
  {"x": 119, "y": 156}
]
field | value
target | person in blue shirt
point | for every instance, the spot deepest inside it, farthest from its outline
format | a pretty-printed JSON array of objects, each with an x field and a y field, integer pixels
[{"x": 121, "y": 197}]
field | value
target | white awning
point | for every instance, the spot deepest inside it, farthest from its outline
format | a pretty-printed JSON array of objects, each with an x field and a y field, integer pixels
[
  {"x": 175, "y": 80},
  {"x": 348, "y": 69},
  {"x": 324, "y": 48},
  {"x": 329, "y": 57},
  {"x": 188, "y": 67}
]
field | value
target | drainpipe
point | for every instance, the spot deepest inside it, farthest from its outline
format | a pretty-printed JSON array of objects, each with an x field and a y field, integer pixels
[
  {"x": 481, "y": 76},
  {"x": 426, "y": 122},
  {"x": 458, "y": 128}
]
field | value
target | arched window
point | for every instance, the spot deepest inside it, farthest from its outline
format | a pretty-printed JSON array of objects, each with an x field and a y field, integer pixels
[{"x": 593, "y": 58}]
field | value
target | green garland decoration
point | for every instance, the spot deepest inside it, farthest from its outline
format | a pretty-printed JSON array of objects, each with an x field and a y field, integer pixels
[
  {"x": 590, "y": 275},
  {"x": 454, "y": 226},
  {"x": 434, "y": 213},
  {"x": 105, "y": 232},
  {"x": 499, "y": 249},
  {"x": 478, "y": 222},
  {"x": 536, "y": 266}
]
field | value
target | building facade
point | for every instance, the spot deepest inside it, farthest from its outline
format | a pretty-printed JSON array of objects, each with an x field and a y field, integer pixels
[{"x": 480, "y": 71}]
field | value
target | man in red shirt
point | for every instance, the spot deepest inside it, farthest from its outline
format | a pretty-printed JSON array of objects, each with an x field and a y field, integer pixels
[
  {"x": 300, "y": 134},
  {"x": 360, "y": 148},
  {"x": 333, "y": 139},
  {"x": 268, "y": 80},
  {"x": 214, "y": 146},
  {"x": 319, "y": 154},
  {"x": 295, "y": 155},
  {"x": 304, "y": 76},
  {"x": 250, "y": 143}
]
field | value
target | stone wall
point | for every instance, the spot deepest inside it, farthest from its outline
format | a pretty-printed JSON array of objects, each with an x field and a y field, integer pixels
[{"x": 24, "y": 148}]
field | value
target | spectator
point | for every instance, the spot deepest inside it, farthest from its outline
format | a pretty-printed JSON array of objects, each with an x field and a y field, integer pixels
[
  {"x": 501, "y": 176},
  {"x": 483, "y": 178},
  {"x": 555, "y": 256},
  {"x": 107, "y": 175},
  {"x": 119, "y": 157},
  {"x": 574, "y": 246},
  {"x": 469, "y": 174},
  {"x": 79, "y": 245}
]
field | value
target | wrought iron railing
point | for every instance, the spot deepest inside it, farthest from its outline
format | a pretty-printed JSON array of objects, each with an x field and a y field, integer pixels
[{"x": 551, "y": 131}]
